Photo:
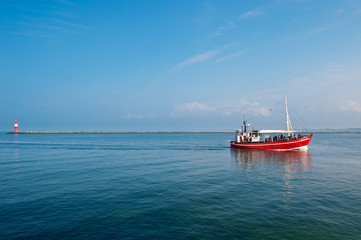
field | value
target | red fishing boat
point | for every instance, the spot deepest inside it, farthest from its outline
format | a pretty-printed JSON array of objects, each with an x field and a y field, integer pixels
[{"x": 271, "y": 139}]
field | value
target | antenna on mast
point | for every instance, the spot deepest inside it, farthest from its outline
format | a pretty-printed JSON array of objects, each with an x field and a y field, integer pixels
[{"x": 244, "y": 122}]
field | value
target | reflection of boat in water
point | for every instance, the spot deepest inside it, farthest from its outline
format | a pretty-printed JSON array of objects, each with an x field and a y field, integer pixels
[
  {"x": 270, "y": 139},
  {"x": 286, "y": 165},
  {"x": 293, "y": 161}
]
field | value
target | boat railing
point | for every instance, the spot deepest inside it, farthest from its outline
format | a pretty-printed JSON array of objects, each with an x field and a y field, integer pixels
[{"x": 280, "y": 138}]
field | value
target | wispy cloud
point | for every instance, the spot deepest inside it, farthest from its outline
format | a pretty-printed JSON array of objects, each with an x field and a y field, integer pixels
[
  {"x": 191, "y": 108},
  {"x": 198, "y": 58},
  {"x": 203, "y": 56},
  {"x": 351, "y": 106},
  {"x": 329, "y": 96},
  {"x": 32, "y": 33},
  {"x": 230, "y": 56},
  {"x": 219, "y": 32},
  {"x": 225, "y": 108},
  {"x": 65, "y": 2},
  {"x": 250, "y": 14},
  {"x": 322, "y": 29},
  {"x": 132, "y": 116},
  {"x": 232, "y": 24},
  {"x": 51, "y": 21},
  {"x": 68, "y": 23},
  {"x": 232, "y": 107},
  {"x": 193, "y": 60}
]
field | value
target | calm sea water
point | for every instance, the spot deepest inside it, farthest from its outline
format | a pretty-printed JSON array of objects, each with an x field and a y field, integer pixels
[{"x": 177, "y": 186}]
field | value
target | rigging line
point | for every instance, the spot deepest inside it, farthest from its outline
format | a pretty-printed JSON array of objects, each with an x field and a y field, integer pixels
[
  {"x": 269, "y": 109},
  {"x": 301, "y": 122},
  {"x": 303, "y": 127},
  {"x": 298, "y": 122},
  {"x": 277, "y": 104}
]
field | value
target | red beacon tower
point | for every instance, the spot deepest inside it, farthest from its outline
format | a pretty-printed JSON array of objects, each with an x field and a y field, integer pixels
[{"x": 16, "y": 126}]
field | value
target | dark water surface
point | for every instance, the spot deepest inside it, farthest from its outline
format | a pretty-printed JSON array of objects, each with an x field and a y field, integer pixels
[{"x": 177, "y": 186}]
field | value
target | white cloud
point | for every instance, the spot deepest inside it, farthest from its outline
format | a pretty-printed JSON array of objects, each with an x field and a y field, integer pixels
[
  {"x": 203, "y": 56},
  {"x": 133, "y": 116},
  {"x": 226, "y": 108},
  {"x": 322, "y": 29},
  {"x": 49, "y": 23},
  {"x": 230, "y": 56},
  {"x": 65, "y": 2},
  {"x": 192, "y": 60},
  {"x": 351, "y": 106},
  {"x": 232, "y": 24},
  {"x": 215, "y": 34},
  {"x": 250, "y": 14},
  {"x": 324, "y": 98},
  {"x": 259, "y": 110},
  {"x": 191, "y": 108},
  {"x": 243, "y": 105},
  {"x": 219, "y": 32},
  {"x": 198, "y": 58}
]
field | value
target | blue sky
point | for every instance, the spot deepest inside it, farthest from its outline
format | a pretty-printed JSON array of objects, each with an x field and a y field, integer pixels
[{"x": 178, "y": 65}]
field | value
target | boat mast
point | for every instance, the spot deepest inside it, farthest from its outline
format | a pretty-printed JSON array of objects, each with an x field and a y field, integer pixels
[{"x": 288, "y": 122}]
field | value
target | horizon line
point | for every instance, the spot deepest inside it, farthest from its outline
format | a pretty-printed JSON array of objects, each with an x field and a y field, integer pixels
[{"x": 163, "y": 132}]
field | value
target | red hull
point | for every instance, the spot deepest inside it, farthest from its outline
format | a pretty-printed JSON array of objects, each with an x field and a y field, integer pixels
[{"x": 301, "y": 143}]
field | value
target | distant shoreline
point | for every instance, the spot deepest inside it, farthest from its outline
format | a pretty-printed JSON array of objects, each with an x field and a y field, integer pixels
[{"x": 150, "y": 132}]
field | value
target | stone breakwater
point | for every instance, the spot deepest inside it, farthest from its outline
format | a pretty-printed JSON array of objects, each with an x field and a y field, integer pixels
[
  {"x": 118, "y": 132},
  {"x": 109, "y": 132}
]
